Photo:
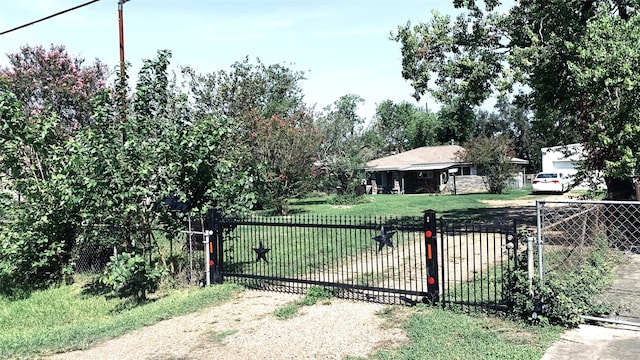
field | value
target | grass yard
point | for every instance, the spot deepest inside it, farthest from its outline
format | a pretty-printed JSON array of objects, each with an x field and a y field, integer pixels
[
  {"x": 436, "y": 334},
  {"x": 71, "y": 316},
  {"x": 404, "y": 205}
]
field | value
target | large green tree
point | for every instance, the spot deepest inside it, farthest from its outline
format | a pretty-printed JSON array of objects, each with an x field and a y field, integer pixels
[
  {"x": 60, "y": 184},
  {"x": 607, "y": 81},
  {"x": 404, "y": 126},
  {"x": 272, "y": 122},
  {"x": 541, "y": 48},
  {"x": 341, "y": 154},
  {"x": 513, "y": 120}
]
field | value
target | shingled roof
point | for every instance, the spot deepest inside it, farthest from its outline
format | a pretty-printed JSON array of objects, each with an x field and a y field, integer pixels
[{"x": 423, "y": 158}]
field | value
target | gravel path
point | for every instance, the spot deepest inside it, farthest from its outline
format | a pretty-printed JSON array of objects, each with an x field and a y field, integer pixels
[{"x": 245, "y": 328}]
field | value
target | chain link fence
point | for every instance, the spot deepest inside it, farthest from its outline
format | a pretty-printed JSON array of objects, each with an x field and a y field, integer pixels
[
  {"x": 597, "y": 243},
  {"x": 181, "y": 252}
]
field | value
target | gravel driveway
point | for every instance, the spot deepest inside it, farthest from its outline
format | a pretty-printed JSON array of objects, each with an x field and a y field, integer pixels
[{"x": 245, "y": 328}]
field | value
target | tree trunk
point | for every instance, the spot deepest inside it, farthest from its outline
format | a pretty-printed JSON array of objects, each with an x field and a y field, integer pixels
[{"x": 619, "y": 189}]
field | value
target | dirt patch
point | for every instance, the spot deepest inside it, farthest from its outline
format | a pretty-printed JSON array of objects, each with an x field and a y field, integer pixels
[
  {"x": 529, "y": 200},
  {"x": 245, "y": 328}
]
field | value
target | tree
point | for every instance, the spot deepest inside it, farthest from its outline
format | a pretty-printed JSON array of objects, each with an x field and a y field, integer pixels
[
  {"x": 404, "y": 126},
  {"x": 45, "y": 96},
  {"x": 272, "y": 123},
  {"x": 492, "y": 156},
  {"x": 423, "y": 129},
  {"x": 512, "y": 120},
  {"x": 341, "y": 154},
  {"x": 41, "y": 214},
  {"x": 67, "y": 184},
  {"x": 52, "y": 79},
  {"x": 457, "y": 122},
  {"x": 393, "y": 120},
  {"x": 538, "y": 47},
  {"x": 284, "y": 150},
  {"x": 607, "y": 81},
  {"x": 247, "y": 91}
]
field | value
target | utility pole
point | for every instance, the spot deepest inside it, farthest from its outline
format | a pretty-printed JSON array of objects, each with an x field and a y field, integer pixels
[
  {"x": 123, "y": 106},
  {"x": 121, "y": 31},
  {"x": 123, "y": 83}
]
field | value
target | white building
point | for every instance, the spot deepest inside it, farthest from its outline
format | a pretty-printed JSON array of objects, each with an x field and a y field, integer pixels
[{"x": 565, "y": 159}]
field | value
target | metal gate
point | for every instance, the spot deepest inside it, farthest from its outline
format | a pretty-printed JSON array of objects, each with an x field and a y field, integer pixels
[
  {"x": 476, "y": 260},
  {"x": 396, "y": 260},
  {"x": 577, "y": 237},
  {"x": 378, "y": 259}
]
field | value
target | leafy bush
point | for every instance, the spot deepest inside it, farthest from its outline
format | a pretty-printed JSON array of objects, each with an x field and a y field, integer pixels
[
  {"x": 564, "y": 295},
  {"x": 35, "y": 245},
  {"x": 129, "y": 276},
  {"x": 347, "y": 199}
]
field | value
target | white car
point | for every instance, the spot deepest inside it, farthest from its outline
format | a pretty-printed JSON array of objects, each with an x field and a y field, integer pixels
[{"x": 550, "y": 183}]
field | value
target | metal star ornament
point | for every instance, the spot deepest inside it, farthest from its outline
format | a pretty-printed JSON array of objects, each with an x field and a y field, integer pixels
[
  {"x": 261, "y": 251},
  {"x": 384, "y": 239}
]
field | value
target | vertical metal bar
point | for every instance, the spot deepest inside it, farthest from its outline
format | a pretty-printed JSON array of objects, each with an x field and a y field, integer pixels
[
  {"x": 530, "y": 262},
  {"x": 359, "y": 262},
  {"x": 324, "y": 235},
  {"x": 539, "y": 235},
  {"x": 496, "y": 237},
  {"x": 462, "y": 273},
  {"x": 318, "y": 235},
  {"x": 471, "y": 273},
  {"x": 207, "y": 266},
  {"x": 444, "y": 257},
  {"x": 189, "y": 240}
]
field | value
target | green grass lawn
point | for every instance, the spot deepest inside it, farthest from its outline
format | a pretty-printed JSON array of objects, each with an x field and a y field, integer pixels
[
  {"x": 70, "y": 317},
  {"x": 437, "y": 334},
  {"x": 403, "y": 205}
]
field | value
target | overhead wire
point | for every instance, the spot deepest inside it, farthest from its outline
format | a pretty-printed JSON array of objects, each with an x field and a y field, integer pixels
[{"x": 48, "y": 17}]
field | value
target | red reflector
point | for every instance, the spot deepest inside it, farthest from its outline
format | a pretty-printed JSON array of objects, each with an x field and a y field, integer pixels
[
  {"x": 428, "y": 234},
  {"x": 555, "y": 181},
  {"x": 535, "y": 181},
  {"x": 210, "y": 262},
  {"x": 431, "y": 280},
  {"x": 429, "y": 252}
]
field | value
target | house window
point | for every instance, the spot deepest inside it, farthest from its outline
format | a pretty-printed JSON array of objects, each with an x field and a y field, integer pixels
[
  {"x": 466, "y": 170},
  {"x": 425, "y": 175}
]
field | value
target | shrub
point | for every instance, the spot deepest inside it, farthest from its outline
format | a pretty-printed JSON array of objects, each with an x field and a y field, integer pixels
[
  {"x": 564, "y": 296},
  {"x": 347, "y": 199},
  {"x": 129, "y": 276}
]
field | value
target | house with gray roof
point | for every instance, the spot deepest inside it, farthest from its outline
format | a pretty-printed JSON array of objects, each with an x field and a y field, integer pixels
[{"x": 426, "y": 169}]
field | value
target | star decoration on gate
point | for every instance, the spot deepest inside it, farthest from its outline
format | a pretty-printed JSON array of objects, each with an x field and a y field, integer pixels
[
  {"x": 262, "y": 251},
  {"x": 384, "y": 239}
]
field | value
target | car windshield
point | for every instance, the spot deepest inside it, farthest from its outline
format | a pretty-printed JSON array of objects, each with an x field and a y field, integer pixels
[{"x": 546, "y": 176}]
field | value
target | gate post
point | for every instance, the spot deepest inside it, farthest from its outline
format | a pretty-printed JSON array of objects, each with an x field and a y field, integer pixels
[
  {"x": 430, "y": 235},
  {"x": 214, "y": 246}
]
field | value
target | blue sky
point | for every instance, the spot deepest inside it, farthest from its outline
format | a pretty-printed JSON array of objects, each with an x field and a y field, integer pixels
[{"x": 341, "y": 45}]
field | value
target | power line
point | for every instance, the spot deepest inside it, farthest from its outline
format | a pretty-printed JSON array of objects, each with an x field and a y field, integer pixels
[{"x": 48, "y": 17}]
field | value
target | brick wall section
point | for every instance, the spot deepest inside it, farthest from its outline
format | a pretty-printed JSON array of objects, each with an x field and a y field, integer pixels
[{"x": 466, "y": 184}]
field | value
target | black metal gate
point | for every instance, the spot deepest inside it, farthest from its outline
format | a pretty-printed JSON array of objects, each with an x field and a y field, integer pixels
[
  {"x": 476, "y": 259},
  {"x": 380, "y": 259}
]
